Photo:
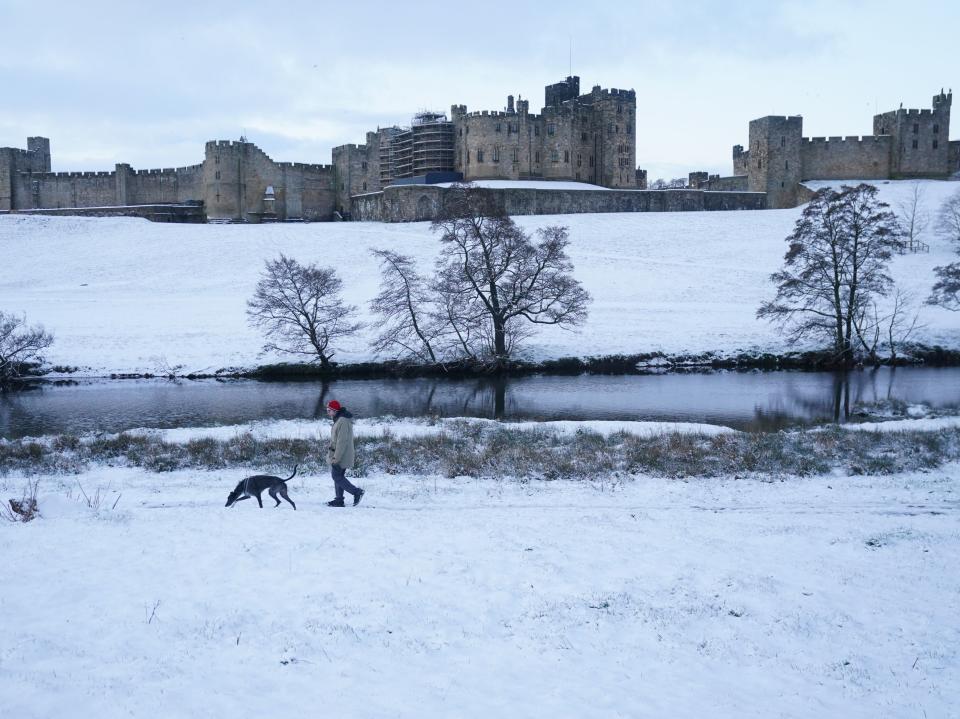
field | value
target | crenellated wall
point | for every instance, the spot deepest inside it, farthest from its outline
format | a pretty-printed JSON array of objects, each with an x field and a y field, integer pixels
[
  {"x": 231, "y": 183},
  {"x": 905, "y": 143},
  {"x": 866, "y": 158}
]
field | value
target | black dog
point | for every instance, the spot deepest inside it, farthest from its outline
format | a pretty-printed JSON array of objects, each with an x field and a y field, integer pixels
[{"x": 254, "y": 486}]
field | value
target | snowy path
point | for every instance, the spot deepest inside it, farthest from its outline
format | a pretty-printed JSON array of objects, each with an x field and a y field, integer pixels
[{"x": 829, "y": 597}]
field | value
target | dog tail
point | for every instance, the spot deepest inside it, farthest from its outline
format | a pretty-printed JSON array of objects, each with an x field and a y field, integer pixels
[{"x": 292, "y": 475}]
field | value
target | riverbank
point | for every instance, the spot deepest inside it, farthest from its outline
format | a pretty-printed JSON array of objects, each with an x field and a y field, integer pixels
[
  {"x": 736, "y": 596},
  {"x": 126, "y": 297}
]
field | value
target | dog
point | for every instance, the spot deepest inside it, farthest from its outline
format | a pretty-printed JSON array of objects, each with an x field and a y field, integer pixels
[{"x": 254, "y": 486}]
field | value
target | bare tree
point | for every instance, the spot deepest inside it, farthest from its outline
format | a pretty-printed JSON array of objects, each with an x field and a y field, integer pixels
[
  {"x": 408, "y": 320},
  {"x": 299, "y": 309},
  {"x": 677, "y": 183},
  {"x": 835, "y": 266},
  {"x": 20, "y": 345},
  {"x": 946, "y": 290},
  {"x": 658, "y": 184},
  {"x": 498, "y": 278},
  {"x": 914, "y": 219},
  {"x": 896, "y": 327}
]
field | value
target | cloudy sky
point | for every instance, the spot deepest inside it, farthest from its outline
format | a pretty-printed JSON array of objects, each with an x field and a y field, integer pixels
[{"x": 146, "y": 84}]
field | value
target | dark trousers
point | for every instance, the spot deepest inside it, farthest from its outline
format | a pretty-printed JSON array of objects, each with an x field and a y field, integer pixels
[{"x": 340, "y": 481}]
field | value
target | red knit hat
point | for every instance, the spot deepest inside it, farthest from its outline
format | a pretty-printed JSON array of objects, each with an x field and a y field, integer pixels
[{"x": 334, "y": 405}]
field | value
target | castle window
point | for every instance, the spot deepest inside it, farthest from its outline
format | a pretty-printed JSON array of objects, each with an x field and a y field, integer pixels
[
  {"x": 497, "y": 127},
  {"x": 759, "y": 164},
  {"x": 579, "y": 160},
  {"x": 216, "y": 159},
  {"x": 629, "y": 128},
  {"x": 217, "y": 176},
  {"x": 551, "y": 128},
  {"x": 363, "y": 165},
  {"x": 566, "y": 155},
  {"x": 536, "y": 157},
  {"x": 583, "y": 137},
  {"x": 536, "y": 130},
  {"x": 479, "y": 155},
  {"x": 516, "y": 154},
  {"x": 468, "y": 157},
  {"x": 936, "y": 129},
  {"x": 364, "y": 186},
  {"x": 783, "y": 141},
  {"x": 786, "y": 165},
  {"x": 916, "y": 128},
  {"x": 461, "y": 132},
  {"x": 554, "y": 156},
  {"x": 619, "y": 108},
  {"x": 935, "y": 145},
  {"x": 916, "y": 144},
  {"x": 591, "y": 161},
  {"x": 496, "y": 154}
]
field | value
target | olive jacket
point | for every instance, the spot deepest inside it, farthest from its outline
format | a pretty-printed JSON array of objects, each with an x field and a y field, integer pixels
[{"x": 341, "y": 450}]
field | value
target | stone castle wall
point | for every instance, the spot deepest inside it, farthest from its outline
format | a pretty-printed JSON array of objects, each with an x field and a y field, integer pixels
[
  {"x": 866, "y": 158},
  {"x": 905, "y": 143},
  {"x": 231, "y": 183},
  {"x": 412, "y": 203}
]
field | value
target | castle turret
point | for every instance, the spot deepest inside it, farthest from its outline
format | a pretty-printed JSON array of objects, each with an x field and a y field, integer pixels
[
  {"x": 40, "y": 146},
  {"x": 775, "y": 161}
]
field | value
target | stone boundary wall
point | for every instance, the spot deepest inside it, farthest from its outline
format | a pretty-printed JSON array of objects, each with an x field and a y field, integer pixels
[
  {"x": 954, "y": 156},
  {"x": 154, "y": 213},
  {"x": 416, "y": 203}
]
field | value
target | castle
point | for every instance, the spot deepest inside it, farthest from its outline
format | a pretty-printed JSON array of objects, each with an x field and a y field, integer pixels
[
  {"x": 904, "y": 144},
  {"x": 396, "y": 174},
  {"x": 235, "y": 181},
  {"x": 588, "y": 138}
]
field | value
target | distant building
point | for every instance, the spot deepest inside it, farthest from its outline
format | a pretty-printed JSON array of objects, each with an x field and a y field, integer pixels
[
  {"x": 588, "y": 138},
  {"x": 904, "y": 144},
  {"x": 236, "y": 181}
]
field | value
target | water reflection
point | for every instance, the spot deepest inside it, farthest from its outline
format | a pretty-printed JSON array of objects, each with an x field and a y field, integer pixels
[{"x": 764, "y": 401}]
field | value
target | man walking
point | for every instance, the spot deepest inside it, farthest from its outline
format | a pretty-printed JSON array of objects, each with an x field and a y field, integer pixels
[{"x": 341, "y": 453}]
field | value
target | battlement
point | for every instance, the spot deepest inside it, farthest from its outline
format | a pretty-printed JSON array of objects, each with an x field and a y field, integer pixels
[
  {"x": 304, "y": 166},
  {"x": 69, "y": 175},
  {"x": 834, "y": 139},
  {"x": 623, "y": 94}
]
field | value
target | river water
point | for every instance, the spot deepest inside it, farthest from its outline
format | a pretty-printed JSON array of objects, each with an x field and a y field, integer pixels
[{"x": 756, "y": 401}]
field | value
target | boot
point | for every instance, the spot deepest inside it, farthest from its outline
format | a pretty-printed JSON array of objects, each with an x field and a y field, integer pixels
[
  {"x": 338, "y": 502},
  {"x": 358, "y": 496}
]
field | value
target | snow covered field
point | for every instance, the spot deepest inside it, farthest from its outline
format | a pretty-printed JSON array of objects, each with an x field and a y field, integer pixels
[
  {"x": 127, "y": 295},
  {"x": 827, "y": 597}
]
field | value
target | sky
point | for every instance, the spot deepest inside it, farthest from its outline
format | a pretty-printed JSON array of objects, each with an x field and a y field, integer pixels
[{"x": 113, "y": 82}]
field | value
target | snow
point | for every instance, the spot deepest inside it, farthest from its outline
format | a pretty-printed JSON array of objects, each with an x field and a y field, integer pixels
[
  {"x": 928, "y": 424},
  {"x": 531, "y": 185},
  {"x": 378, "y": 427},
  {"x": 127, "y": 295},
  {"x": 833, "y": 596}
]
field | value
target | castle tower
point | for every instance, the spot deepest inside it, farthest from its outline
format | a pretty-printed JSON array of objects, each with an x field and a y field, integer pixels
[
  {"x": 224, "y": 180},
  {"x": 774, "y": 162},
  {"x": 920, "y": 145},
  {"x": 41, "y": 147}
]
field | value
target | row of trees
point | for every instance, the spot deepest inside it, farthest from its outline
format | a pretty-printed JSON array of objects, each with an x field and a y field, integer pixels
[
  {"x": 836, "y": 268},
  {"x": 492, "y": 284}
]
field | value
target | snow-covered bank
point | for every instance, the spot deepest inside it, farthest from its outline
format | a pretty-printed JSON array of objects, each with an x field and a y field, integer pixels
[
  {"x": 126, "y": 295},
  {"x": 836, "y": 596}
]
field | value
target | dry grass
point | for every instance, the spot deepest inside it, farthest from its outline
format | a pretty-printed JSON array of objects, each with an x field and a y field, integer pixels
[{"x": 497, "y": 451}]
